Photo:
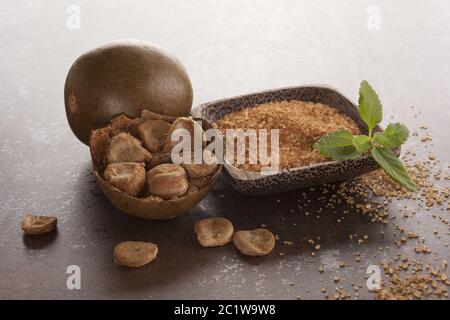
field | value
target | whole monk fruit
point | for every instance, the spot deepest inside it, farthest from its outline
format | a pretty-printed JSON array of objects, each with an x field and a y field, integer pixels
[{"x": 124, "y": 77}]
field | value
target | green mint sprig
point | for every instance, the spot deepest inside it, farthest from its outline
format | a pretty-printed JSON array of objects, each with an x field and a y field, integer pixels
[{"x": 343, "y": 145}]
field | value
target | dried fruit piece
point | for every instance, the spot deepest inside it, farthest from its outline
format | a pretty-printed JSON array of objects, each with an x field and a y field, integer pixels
[
  {"x": 154, "y": 133},
  {"x": 192, "y": 127},
  {"x": 167, "y": 180},
  {"x": 213, "y": 232},
  {"x": 145, "y": 204},
  {"x": 257, "y": 242},
  {"x": 134, "y": 253},
  {"x": 126, "y": 148},
  {"x": 32, "y": 224},
  {"x": 208, "y": 164},
  {"x": 128, "y": 177}
]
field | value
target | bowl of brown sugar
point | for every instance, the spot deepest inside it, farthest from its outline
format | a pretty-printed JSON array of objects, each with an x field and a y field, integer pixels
[{"x": 287, "y": 122}]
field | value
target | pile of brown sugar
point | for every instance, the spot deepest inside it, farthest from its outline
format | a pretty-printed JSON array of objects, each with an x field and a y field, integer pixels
[{"x": 300, "y": 123}]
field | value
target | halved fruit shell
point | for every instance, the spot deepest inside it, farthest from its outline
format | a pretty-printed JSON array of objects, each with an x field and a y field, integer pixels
[{"x": 147, "y": 207}]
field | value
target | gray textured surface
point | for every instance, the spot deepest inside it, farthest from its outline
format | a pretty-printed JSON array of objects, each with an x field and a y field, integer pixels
[{"x": 229, "y": 48}]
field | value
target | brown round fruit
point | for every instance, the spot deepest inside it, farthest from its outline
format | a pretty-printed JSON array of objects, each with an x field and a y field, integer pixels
[{"x": 124, "y": 77}]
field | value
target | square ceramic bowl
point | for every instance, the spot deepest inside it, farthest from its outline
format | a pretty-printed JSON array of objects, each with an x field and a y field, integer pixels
[{"x": 295, "y": 178}]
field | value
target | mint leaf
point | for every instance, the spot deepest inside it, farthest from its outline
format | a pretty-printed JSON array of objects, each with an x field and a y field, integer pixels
[
  {"x": 393, "y": 167},
  {"x": 393, "y": 136},
  {"x": 342, "y": 145},
  {"x": 369, "y": 106},
  {"x": 361, "y": 143},
  {"x": 337, "y": 145}
]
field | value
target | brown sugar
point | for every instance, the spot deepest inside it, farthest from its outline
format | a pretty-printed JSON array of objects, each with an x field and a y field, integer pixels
[
  {"x": 300, "y": 123},
  {"x": 423, "y": 282}
]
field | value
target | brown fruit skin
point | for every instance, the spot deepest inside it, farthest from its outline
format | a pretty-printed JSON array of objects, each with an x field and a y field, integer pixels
[{"x": 124, "y": 77}]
